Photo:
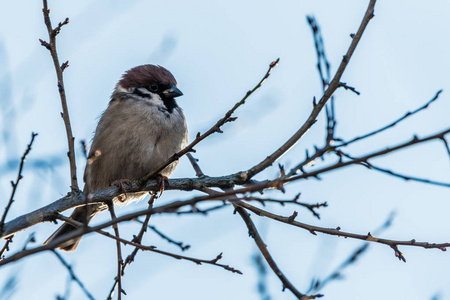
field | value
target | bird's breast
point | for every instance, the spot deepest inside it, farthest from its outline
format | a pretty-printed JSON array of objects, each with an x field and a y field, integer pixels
[{"x": 134, "y": 138}]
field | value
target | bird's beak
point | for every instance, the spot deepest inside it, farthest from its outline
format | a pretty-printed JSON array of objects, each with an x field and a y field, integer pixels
[{"x": 172, "y": 92}]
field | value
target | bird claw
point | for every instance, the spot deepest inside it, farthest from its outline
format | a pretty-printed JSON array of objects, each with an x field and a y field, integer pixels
[
  {"x": 162, "y": 180},
  {"x": 119, "y": 183}
]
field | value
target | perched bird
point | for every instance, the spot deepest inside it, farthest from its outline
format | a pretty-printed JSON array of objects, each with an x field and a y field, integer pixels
[{"x": 141, "y": 128}]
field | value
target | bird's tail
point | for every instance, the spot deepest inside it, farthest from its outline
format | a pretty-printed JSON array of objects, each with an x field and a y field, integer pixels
[{"x": 81, "y": 214}]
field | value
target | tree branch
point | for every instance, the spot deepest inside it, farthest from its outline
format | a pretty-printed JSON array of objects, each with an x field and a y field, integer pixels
[
  {"x": 407, "y": 115},
  {"x": 415, "y": 140},
  {"x": 19, "y": 177},
  {"x": 337, "y": 232},
  {"x": 317, "y": 285},
  {"x": 72, "y": 200},
  {"x": 370, "y": 166},
  {"x": 52, "y": 33},
  {"x": 253, "y": 232},
  {"x": 295, "y": 201},
  {"x": 334, "y": 84},
  {"x": 165, "y": 237},
  {"x": 320, "y": 152}
]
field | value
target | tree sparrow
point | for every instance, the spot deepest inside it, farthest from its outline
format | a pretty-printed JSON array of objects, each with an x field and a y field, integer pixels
[{"x": 141, "y": 128}]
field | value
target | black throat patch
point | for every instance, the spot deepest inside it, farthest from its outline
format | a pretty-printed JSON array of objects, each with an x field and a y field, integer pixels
[{"x": 170, "y": 104}]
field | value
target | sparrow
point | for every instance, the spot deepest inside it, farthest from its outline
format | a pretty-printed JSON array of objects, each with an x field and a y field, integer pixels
[{"x": 139, "y": 130}]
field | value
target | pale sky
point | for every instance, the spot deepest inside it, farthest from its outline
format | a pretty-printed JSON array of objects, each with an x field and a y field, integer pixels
[{"x": 217, "y": 51}]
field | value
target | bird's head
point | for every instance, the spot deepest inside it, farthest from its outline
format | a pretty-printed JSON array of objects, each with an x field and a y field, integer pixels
[{"x": 149, "y": 82}]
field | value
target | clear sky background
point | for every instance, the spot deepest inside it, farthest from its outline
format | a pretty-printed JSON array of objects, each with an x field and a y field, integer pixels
[{"x": 217, "y": 51}]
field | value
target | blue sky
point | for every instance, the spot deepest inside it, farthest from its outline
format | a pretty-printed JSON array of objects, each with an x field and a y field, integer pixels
[{"x": 217, "y": 51}]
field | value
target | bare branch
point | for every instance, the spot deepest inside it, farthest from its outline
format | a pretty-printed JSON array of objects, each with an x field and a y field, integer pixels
[
  {"x": 19, "y": 177},
  {"x": 317, "y": 285},
  {"x": 253, "y": 232},
  {"x": 337, "y": 232},
  {"x": 5, "y": 247},
  {"x": 52, "y": 33},
  {"x": 407, "y": 115},
  {"x": 446, "y": 146},
  {"x": 195, "y": 210},
  {"x": 193, "y": 160},
  {"x": 316, "y": 110},
  {"x": 295, "y": 201},
  {"x": 72, "y": 200},
  {"x": 349, "y": 88},
  {"x": 86, "y": 229},
  {"x": 165, "y": 237},
  {"x": 73, "y": 275},
  {"x": 132, "y": 243},
  {"x": 320, "y": 52},
  {"x": 370, "y": 166},
  {"x": 320, "y": 152},
  {"x": 414, "y": 141}
]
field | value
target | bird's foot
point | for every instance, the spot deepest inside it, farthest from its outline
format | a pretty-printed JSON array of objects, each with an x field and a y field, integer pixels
[
  {"x": 119, "y": 183},
  {"x": 162, "y": 180}
]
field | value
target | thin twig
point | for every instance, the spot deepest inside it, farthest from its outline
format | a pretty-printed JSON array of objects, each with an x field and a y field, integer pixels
[
  {"x": 195, "y": 210},
  {"x": 119, "y": 252},
  {"x": 16, "y": 184},
  {"x": 30, "y": 239},
  {"x": 52, "y": 33},
  {"x": 5, "y": 247},
  {"x": 165, "y": 237},
  {"x": 349, "y": 88},
  {"x": 407, "y": 115},
  {"x": 370, "y": 166},
  {"x": 320, "y": 52},
  {"x": 73, "y": 275},
  {"x": 446, "y": 146},
  {"x": 197, "y": 169},
  {"x": 295, "y": 201},
  {"x": 322, "y": 60}
]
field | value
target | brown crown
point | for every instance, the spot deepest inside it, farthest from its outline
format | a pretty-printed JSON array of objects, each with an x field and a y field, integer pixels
[{"x": 146, "y": 74}]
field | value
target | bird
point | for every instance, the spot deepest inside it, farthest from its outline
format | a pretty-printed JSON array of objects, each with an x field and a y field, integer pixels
[{"x": 141, "y": 128}]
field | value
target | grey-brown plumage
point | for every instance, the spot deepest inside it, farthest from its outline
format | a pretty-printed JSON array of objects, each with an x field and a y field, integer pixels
[{"x": 141, "y": 128}]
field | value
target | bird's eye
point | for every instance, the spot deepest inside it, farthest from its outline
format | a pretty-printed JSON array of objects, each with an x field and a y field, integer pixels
[{"x": 154, "y": 87}]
